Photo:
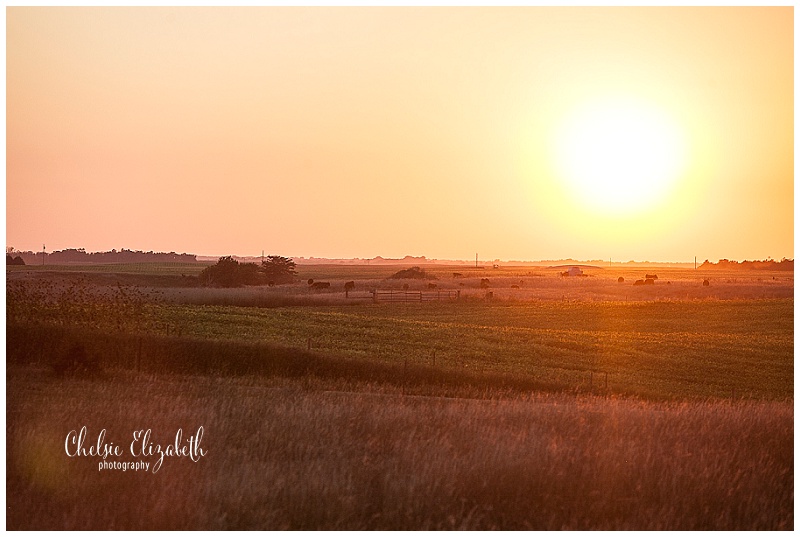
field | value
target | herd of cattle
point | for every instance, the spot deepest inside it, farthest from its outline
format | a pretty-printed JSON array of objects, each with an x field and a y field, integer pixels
[{"x": 650, "y": 279}]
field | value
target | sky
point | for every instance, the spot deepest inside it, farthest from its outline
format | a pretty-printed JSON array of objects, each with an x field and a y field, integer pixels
[{"x": 522, "y": 133}]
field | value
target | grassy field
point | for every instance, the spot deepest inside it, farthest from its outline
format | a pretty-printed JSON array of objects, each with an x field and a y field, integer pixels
[
  {"x": 555, "y": 404},
  {"x": 294, "y": 454}
]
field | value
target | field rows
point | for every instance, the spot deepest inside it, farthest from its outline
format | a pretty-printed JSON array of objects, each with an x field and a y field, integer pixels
[{"x": 684, "y": 349}]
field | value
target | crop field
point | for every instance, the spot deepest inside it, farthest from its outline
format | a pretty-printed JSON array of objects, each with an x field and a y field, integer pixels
[{"x": 534, "y": 402}]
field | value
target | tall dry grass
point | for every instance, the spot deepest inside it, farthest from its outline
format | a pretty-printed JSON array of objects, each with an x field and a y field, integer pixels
[{"x": 289, "y": 455}]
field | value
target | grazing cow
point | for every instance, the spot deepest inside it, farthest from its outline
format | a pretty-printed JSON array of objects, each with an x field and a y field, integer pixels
[
  {"x": 706, "y": 283},
  {"x": 620, "y": 280},
  {"x": 649, "y": 281},
  {"x": 431, "y": 286},
  {"x": 515, "y": 286},
  {"x": 638, "y": 282},
  {"x": 651, "y": 276},
  {"x": 484, "y": 283},
  {"x": 457, "y": 275},
  {"x": 348, "y": 286},
  {"x": 317, "y": 286}
]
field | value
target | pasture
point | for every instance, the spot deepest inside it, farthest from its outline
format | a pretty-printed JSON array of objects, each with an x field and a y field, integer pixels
[{"x": 551, "y": 403}]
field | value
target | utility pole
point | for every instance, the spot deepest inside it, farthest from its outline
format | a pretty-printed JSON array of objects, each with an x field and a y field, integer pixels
[
  {"x": 695, "y": 262},
  {"x": 476, "y": 260},
  {"x": 43, "y": 254}
]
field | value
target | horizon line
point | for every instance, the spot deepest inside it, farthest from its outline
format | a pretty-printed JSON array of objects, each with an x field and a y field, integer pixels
[{"x": 420, "y": 257}]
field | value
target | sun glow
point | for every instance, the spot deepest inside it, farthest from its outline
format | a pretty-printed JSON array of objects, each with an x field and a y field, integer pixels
[{"x": 619, "y": 158}]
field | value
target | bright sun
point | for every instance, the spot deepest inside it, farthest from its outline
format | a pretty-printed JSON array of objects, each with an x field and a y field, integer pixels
[{"x": 619, "y": 157}]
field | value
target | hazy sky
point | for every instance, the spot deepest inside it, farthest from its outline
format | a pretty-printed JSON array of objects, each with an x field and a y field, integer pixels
[{"x": 519, "y": 133}]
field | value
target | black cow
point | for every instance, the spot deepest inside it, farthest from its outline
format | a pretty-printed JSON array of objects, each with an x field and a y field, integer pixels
[
  {"x": 651, "y": 276},
  {"x": 317, "y": 286}
]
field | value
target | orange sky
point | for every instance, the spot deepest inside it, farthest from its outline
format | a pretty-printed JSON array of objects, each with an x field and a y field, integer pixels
[{"x": 356, "y": 132}]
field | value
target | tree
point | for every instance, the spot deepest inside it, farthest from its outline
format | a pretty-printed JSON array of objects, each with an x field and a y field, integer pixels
[
  {"x": 278, "y": 269},
  {"x": 228, "y": 272},
  {"x": 223, "y": 274}
]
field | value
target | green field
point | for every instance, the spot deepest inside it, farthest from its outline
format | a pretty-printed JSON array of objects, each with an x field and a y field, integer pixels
[{"x": 555, "y": 404}]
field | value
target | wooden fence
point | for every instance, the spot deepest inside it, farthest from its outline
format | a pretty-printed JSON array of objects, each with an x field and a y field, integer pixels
[{"x": 414, "y": 296}]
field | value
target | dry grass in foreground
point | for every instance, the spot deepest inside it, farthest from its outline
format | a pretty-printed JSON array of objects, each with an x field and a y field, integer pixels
[{"x": 287, "y": 454}]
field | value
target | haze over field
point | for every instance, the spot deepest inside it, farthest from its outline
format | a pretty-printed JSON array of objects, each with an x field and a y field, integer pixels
[{"x": 520, "y": 133}]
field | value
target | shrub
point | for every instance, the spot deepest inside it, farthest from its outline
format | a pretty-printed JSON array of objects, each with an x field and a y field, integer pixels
[{"x": 415, "y": 273}]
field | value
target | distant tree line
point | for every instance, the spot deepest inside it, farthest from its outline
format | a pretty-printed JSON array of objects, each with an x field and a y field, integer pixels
[
  {"x": 14, "y": 260},
  {"x": 767, "y": 264},
  {"x": 228, "y": 272},
  {"x": 79, "y": 255}
]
